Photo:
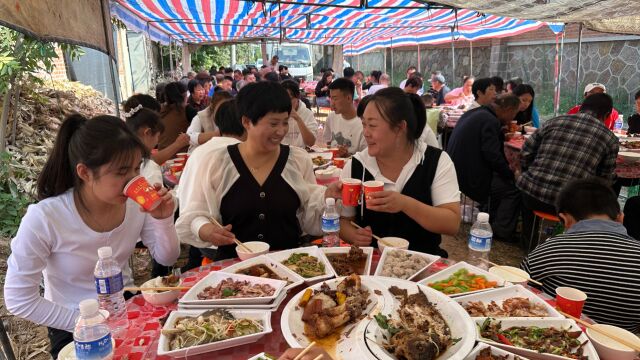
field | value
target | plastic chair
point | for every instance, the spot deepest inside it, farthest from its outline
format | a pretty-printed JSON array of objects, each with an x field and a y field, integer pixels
[
  {"x": 6, "y": 351},
  {"x": 538, "y": 218}
]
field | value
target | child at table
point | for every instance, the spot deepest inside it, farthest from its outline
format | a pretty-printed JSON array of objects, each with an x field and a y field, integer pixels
[
  {"x": 82, "y": 208},
  {"x": 145, "y": 123}
]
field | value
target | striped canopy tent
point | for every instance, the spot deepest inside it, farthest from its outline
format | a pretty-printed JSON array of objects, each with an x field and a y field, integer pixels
[{"x": 358, "y": 25}]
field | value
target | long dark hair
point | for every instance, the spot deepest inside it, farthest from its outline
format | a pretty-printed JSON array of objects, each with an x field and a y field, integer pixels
[
  {"x": 525, "y": 116},
  {"x": 396, "y": 106},
  {"x": 174, "y": 93},
  {"x": 95, "y": 142}
]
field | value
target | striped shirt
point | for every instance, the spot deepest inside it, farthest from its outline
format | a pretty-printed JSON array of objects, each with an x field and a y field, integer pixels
[{"x": 603, "y": 264}]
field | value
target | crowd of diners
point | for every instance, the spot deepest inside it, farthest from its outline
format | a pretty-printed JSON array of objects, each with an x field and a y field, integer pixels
[{"x": 248, "y": 132}]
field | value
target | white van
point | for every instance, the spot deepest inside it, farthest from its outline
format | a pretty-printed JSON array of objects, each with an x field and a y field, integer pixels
[{"x": 297, "y": 57}]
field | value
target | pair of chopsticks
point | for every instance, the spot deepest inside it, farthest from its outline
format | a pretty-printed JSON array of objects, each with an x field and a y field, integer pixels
[
  {"x": 373, "y": 235},
  {"x": 601, "y": 331},
  {"x": 306, "y": 350},
  {"x": 238, "y": 242},
  {"x": 156, "y": 288},
  {"x": 506, "y": 269}
]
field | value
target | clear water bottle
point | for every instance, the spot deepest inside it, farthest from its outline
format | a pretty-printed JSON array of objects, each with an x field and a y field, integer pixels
[
  {"x": 480, "y": 241},
  {"x": 330, "y": 224},
  {"x": 110, "y": 288},
  {"x": 617, "y": 126},
  {"x": 91, "y": 336}
]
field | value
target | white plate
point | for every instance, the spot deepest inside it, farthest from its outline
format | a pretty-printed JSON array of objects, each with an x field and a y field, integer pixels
[
  {"x": 345, "y": 348},
  {"x": 262, "y": 355},
  {"x": 345, "y": 250},
  {"x": 446, "y": 273},
  {"x": 589, "y": 350},
  {"x": 215, "y": 277},
  {"x": 271, "y": 306},
  {"x": 280, "y": 270},
  {"x": 458, "y": 320},
  {"x": 68, "y": 352},
  {"x": 494, "y": 351},
  {"x": 283, "y": 255},
  {"x": 500, "y": 294},
  {"x": 163, "y": 344},
  {"x": 430, "y": 260}
]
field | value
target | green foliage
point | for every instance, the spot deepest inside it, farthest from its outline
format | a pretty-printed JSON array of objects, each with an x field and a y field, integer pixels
[
  {"x": 33, "y": 56},
  {"x": 13, "y": 203},
  {"x": 216, "y": 55}
]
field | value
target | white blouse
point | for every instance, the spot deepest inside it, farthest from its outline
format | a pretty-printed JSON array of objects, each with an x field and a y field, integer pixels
[{"x": 212, "y": 174}]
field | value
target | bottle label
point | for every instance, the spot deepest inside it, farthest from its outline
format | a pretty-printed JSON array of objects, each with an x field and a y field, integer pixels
[
  {"x": 480, "y": 243},
  {"x": 96, "y": 349},
  {"x": 109, "y": 285},
  {"x": 330, "y": 224}
]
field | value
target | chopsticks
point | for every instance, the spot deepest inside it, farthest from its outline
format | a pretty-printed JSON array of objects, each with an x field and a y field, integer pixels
[
  {"x": 306, "y": 350},
  {"x": 603, "y": 332},
  {"x": 512, "y": 272},
  {"x": 156, "y": 288},
  {"x": 373, "y": 235},
  {"x": 238, "y": 242}
]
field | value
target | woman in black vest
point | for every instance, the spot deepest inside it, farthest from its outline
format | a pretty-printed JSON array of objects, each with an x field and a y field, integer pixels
[{"x": 421, "y": 199}]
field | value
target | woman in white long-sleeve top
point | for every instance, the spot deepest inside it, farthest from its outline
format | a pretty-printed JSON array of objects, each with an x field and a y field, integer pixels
[
  {"x": 258, "y": 189},
  {"x": 82, "y": 208}
]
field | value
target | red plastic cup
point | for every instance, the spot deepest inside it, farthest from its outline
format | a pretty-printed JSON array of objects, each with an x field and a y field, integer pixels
[
  {"x": 179, "y": 161},
  {"x": 371, "y": 187},
  {"x": 351, "y": 189},
  {"x": 139, "y": 190},
  {"x": 176, "y": 168},
  {"x": 570, "y": 300},
  {"x": 339, "y": 162},
  {"x": 334, "y": 152},
  {"x": 183, "y": 155}
]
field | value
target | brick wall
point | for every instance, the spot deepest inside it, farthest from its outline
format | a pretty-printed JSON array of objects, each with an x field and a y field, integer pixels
[{"x": 59, "y": 71}]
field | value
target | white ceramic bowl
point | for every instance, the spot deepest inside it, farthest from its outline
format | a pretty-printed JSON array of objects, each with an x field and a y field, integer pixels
[
  {"x": 159, "y": 298},
  {"x": 395, "y": 242},
  {"x": 258, "y": 248},
  {"x": 629, "y": 156},
  {"x": 609, "y": 349},
  {"x": 509, "y": 273}
]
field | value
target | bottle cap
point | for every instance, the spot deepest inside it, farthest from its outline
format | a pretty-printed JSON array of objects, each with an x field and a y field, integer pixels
[
  {"x": 330, "y": 201},
  {"x": 105, "y": 252},
  {"x": 88, "y": 307},
  {"x": 483, "y": 217}
]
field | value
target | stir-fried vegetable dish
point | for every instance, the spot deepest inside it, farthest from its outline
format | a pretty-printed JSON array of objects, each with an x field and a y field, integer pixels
[
  {"x": 562, "y": 342},
  {"x": 229, "y": 288},
  {"x": 305, "y": 265},
  {"x": 463, "y": 281},
  {"x": 211, "y": 326}
]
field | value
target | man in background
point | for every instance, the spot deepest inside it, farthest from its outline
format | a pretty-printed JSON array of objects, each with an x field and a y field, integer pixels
[{"x": 597, "y": 88}]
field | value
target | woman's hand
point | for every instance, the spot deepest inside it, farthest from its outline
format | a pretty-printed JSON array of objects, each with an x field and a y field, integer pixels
[
  {"x": 166, "y": 207},
  {"x": 362, "y": 236},
  {"x": 334, "y": 190},
  {"x": 386, "y": 201},
  {"x": 217, "y": 235},
  {"x": 313, "y": 353},
  {"x": 182, "y": 140}
]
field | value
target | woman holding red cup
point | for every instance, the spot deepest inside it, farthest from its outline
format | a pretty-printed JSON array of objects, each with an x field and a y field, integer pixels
[
  {"x": 81, "y": 209},
  {"x": 419, "y": 198}
]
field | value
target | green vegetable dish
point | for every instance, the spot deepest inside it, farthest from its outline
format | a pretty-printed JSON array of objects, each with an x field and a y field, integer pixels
[
  {"x": 562, "y": 342},
  {"x": 211, "y": 326},
  {"x": 305, "y": 265},
  {"x": 267, "y": 357}
]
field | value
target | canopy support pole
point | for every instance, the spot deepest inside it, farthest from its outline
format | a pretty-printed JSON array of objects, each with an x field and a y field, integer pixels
[
  {"x": 470, "y": 58},
  {"x": 161, "y": 61},
  {"x": 453, "y": 58},
  {"x": 392, "y": 60},
  {"x": 173, "y": 75},
  {"x": 558, "y": 72},
  {"x": 579, "y": 64},
  {"x": 233, "y": 56},
  {"x": 419, "y": 66},
  {"x": 112, "y": 70}
]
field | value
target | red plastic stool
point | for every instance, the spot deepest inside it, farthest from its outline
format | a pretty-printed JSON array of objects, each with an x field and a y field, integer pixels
[{"x": 538, "y": 218}]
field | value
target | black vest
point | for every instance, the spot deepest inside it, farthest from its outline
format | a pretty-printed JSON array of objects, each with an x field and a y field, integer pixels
[{"x": 399, "y": 224}]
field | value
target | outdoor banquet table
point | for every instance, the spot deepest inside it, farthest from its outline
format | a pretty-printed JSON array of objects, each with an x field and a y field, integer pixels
[{"x": 141, "y": 340}]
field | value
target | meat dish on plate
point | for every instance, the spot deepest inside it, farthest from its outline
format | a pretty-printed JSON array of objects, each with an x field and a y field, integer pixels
[
  {"x": 511, "y": 307},
  {"x": 401, "y": 264},
  {"x": 352, "y": 262},
  {"x": 319, "y": 161},
  {"x": 327, "y": 311},
  {"x": 210, "y": 326},
  {"x": 485, "y": 354},
  {"x": 419, "y": 332},
  {"x": 261, "y": 270},
  {"x": 230, "y": 289},
  {"x": 305, "y": 265},
  {"x": 551, "y": 340}
]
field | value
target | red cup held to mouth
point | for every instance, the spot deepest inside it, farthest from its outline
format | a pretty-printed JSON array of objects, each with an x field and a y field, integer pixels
[
  {"x": 140, "y": 191},
  {"x": 570, "y": 300},
  {"x": 351, "y": 189}
]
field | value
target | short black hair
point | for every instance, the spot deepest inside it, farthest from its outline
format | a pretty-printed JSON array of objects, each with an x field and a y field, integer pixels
[
  {"x": 481, "y": 85},
  {"x": 583, "y": 198},
  {"x": 498, "y": 83},
  {"x": 427, "y": 99},
  {"x": 637, "y": 95},
  {"x": 414, "y": 81},
  {"x": 600, "y": 105},
  {"x": 254, "y": 104},
  {"x": 226, "y": 77},
  {"x": 192, "y": 85},
  {"x": 345, "y": 85},
  {"x": 348, "y": 72},
  {"x": 246, "y": 72},
  {"x": 376, "y": 74},
  {"x": 291, "y": 86},
  {"x": 363, "y": 105},
  {"x": 228, "y": 119},
  {"x": 411, "y": 68},
  {"x": 228, "y": 70},
  {"x": 281, "y": 67},
  {"x": 272, "y": 76}
]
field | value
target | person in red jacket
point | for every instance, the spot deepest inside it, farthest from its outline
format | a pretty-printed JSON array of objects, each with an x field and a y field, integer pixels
[{"x": 597, "y": 88}]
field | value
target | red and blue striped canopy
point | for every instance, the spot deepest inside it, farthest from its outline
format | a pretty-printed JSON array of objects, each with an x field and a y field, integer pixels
[{"x": 359, "y": 25}]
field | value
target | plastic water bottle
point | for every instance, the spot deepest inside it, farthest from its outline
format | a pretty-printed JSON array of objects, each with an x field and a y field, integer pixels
[
  {"x": 480, "y": 241},
  {"x": 330, "y": 224},
  {"x": 91, "y": 336},
  {"x": 110, "y": 290},
  {"x": 617, "y": 126}
]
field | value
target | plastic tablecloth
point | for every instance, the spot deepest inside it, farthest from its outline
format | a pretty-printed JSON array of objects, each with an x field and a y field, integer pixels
[{"x": 141, "y": 341}]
